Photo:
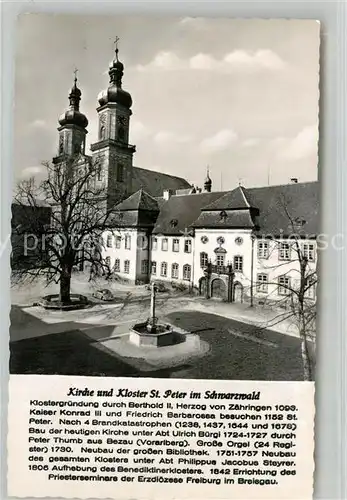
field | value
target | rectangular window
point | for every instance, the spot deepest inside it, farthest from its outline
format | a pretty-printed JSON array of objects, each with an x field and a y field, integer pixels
[
  {"x": 284, "y": 251},
  {"x": 220, "y": 259},
  {"x": 187, "y": 272},
  {"x": 117, "y": 266},
  {"x": 175, "y": 245},
  {"x": 154, "y": 243},
  {"x": 283, "y": 285},
  {"x": 238, "y": 263},
  {"x": 127, "y": 266},
  {"x": 263, "y": 249},
  {"x": 108, "y": 261},
  {"x": 308, "y": 250},
  {"x": 127, "y": 242},
  {"x": 109, "y": 241},
  {"x": 164, "y": 244},
  {"x": 144, "y": 266},
  {"x": 154, "y": 267},
  {"x": 262, "y": 283},
  {"x": 174, "y": 271},
  {"x": 187, "y": 246},
  {"x": 118, "y": 241},
  {"x": 203, "y": 259},
  {"x": 163, "y": 269}
]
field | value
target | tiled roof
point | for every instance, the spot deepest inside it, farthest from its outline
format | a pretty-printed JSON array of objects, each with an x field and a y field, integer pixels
[
  {"x": 154, "y": 183},
  {"x": 180, "y": 211},
  {"x": 139, "y": 201},
  {"x": 271, "y": 210},
  {"x": 278, "y": 205},
  {"x": 237, "y": 198},
  {"x": 227, "y": 219}
]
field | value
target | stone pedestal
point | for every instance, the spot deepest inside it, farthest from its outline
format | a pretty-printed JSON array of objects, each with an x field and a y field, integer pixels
[{"x": 140, "y": 337}]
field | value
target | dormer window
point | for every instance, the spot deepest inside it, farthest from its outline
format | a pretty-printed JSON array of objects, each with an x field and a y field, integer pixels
[
  {"x": 223, "y": 215},
  {"x": 174, "y": 222},
  {"x": 299, "y": 222}
]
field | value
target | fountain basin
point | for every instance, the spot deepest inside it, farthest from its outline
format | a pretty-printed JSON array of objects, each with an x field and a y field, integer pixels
[{"x": 163, "y": 336}]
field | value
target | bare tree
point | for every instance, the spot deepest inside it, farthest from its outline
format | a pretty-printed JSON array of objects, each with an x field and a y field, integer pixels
[
  {"x": 79, "y": 214},
  {"x": 294, "y": 280}
]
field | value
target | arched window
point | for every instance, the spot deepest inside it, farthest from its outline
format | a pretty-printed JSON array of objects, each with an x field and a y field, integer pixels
[
  {"x": 203, "y": 259},
  {"x": 61, "y": 144},
  {"x": 99, "y": 173},
  {"x": 120, "y": 172},
  {"x": 174, "y": 271},
  {"x": 187, "y": 272},
  {"x": 77, "y": 147},
  {"x": 102, "y": 133},
  {"x": 121, "y": 134}
]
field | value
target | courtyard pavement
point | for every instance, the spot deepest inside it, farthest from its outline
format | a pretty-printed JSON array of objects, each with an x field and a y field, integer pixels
[
  {"x": 231, "y": 341},
  {"x": 227, "y": 349},
  {"x": 33, "y": 321}
]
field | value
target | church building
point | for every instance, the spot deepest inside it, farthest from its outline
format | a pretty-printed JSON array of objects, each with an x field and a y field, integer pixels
[{"x": 232, "y": 245}]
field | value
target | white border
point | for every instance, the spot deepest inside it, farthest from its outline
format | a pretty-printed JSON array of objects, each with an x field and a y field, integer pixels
[{"x": 331, "y": 384}]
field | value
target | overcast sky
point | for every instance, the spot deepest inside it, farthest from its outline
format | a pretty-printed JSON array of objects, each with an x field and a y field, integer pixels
[{"x": 238, "y": 95}]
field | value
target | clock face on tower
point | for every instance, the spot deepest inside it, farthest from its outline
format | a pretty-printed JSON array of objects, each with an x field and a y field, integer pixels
[{"x": 121, "y": 120}]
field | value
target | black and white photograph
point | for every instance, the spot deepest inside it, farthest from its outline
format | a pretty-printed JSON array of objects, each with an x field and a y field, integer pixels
[{"x": 165, "y": 205}]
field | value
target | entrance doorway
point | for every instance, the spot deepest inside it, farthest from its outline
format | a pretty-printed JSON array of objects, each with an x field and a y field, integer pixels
[
  {"x": 218, "y": 289},
  {"x": 203, "y": 286},
  {"x": 238, "y": 292}
]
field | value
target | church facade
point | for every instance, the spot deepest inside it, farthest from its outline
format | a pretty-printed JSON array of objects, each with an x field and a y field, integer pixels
[{"x": 230, "y": 245}]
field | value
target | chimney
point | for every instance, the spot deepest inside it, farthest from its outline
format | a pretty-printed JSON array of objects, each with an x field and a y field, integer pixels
[
  {"x": 294, "y": 180},
  {"x": 167, "y": 194}
]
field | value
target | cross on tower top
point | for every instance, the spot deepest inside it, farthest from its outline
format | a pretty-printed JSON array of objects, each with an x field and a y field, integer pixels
[
  {"x": 75, "y": 72},
  {"x": 116, "y": 46}
]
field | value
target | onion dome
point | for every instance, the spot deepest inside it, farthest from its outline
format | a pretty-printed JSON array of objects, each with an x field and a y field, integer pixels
[
  {"x": 208, "y": 182},
  {"x": 114, "y": 93},
  {"x": 73, "y": 116}
]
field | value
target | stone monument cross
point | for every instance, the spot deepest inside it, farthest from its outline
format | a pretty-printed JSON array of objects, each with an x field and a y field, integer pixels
[{"x": 152, "y": 318}]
